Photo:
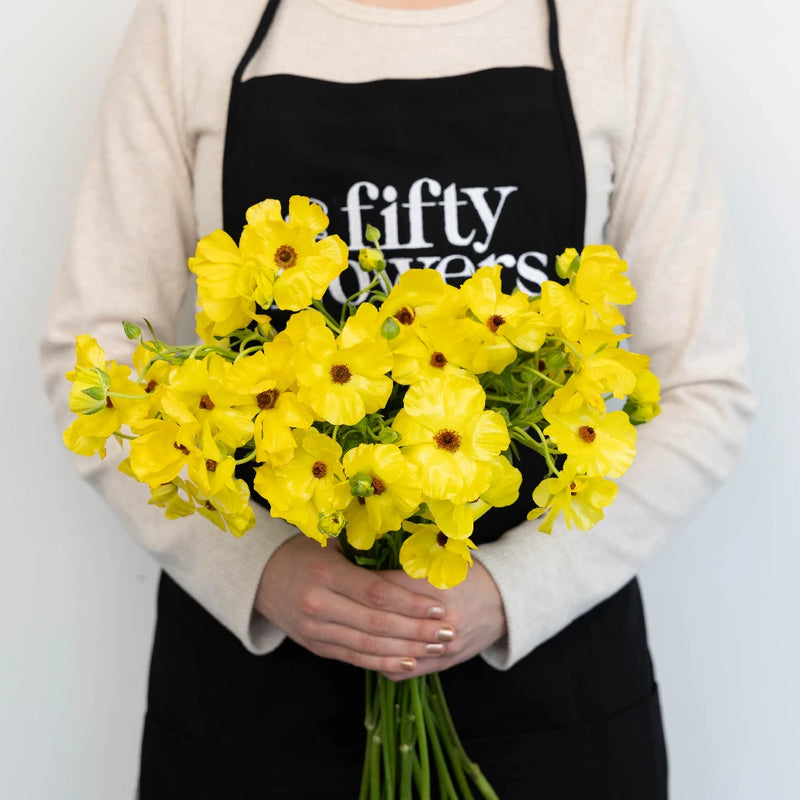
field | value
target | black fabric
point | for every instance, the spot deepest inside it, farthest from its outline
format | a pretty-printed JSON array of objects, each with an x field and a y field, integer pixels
[{"x": 456, "y": 172}]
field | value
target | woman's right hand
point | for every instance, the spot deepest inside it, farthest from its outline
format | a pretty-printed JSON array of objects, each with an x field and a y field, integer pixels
[{"x": 338, "y": 610}]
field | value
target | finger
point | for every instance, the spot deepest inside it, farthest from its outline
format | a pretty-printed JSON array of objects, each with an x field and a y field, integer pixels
[
  {"x": 373, "y": 590},
  {"x": 393, "y": 667},
  {"x": 370, "y": 645},
  {"x": 345, "y": 612}
]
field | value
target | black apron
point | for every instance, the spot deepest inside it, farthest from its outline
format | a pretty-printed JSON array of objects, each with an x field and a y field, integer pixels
[{"x": 457, "y": 172}]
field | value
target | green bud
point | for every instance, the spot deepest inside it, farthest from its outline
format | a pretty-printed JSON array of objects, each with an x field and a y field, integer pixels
[
  {"x": 132, "y": 331},
  {"x": 389, "y": 436},
  {"x": 361, "y": 485},
  {"x": 372, "y": 234},
  {"x": 105, "y": 380},
  {"x": 331, "y": 524},
  {"x": 390, "y": 328},
  {"x": 96, "y": 393},
  {"x": 371, "y": 260}
]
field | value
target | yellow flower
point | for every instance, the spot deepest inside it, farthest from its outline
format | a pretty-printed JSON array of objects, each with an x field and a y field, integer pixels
[
  {"x": 579, "y": 497},
  {"x": 450, "y": 437},
  {"x": 96, "y": 385},
  {"x": 209, "y": 467},
  {"x": 457, "y": 520},
  {"x": 225, "y": 287},
  {"x": 161, "y": 449},
  {"x": 507, "y": 321},
  {"x": 443, "y": 347},
  {"x": 590, "y": 300},
  {"x": 344, "y": 383},
  {"x": 395, "y": 494},
  {"x": 290, "y": 265},
  {"x": 311, "y": 485},
  {"x": 174, "y": 498},
  {"x": 428, "y": 553},
  {"x": 265, "y": 378},
  {"x": 642, "y": 404},
  {"x": 597, "y": 444},
  {"x": 198, "y": 391},
  {"x": 420, "y": 297},
  {"x": 229, "y": 508}
]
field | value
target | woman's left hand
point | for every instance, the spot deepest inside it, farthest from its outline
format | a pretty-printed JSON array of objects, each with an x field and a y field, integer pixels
[{"x": 474, "y": 611}]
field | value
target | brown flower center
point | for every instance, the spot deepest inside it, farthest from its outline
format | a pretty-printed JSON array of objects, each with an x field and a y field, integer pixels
[
  {"x": 109, "y": 404},
  {"x": 340, "y": 373},
  {"x": 285, "y": 256},
  {"x": 209, "y": 506},
  {"x": 587, "y": 433},
  {"x": 319, "y": 470},
  {"x": 151, "y": 387},
  {"x": 441, "y": 539},
  {"x": 211, "y": 465},
  {"x": 572, "y": 489},
  {"x": 495, "y": 321},
  {"x": 438, "y": 360},
  {"x": 206, "y": 402},
  {"x": 378, "y": 485},
  {"x": 405, "y": 316},
  {"x": 447, "y": 440},
  {"x": 361, "y": 501},
  {"x": 182, "y": 447},
  {"x": 266, "y": 400}
]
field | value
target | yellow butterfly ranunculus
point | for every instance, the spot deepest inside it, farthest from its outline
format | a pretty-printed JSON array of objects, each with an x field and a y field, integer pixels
[
  {"x": 428, "y": 553},
  {"x": 451, "y": 438}
]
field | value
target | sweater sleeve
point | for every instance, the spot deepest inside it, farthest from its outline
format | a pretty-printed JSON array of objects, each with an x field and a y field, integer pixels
[
  {"x": 666, "y": 219},
  {"x": 133, "y": 230}
]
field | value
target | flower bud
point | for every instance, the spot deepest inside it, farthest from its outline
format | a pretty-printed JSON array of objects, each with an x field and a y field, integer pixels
[
  {"x": 389, "y": 436},
  {"x": 372, "y": 234},
  {"x": 331, "y": 524},
  {"x": 568, "y": 262},
  {"x": 371, "y": 260},
  {"x": 390, "y": 328},
  {"x": 361, "y": 485}
]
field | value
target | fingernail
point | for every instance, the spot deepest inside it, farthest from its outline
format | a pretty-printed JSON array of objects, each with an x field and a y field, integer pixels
[
  {"x": 445, "y": 634},
  {"x": 434, "y": 649},
  {"x": 436, "y": 612},
  {"x": 407, "y": 664}
]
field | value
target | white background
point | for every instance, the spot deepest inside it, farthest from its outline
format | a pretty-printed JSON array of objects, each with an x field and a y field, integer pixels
[{"x": 77, "y": 597}]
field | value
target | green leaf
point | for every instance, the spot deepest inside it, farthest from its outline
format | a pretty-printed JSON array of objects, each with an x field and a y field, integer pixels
[{"x": 95, "y": 392}]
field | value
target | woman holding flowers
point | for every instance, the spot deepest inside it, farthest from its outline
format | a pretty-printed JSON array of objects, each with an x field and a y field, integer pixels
[{"x": 472, "y": 133}]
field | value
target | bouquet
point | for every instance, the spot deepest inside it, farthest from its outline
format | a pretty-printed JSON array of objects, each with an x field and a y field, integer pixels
[{"x": 391, "y": 428}]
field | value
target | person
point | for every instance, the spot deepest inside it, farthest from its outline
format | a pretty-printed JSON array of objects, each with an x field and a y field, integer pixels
[{"x": 471, "y": 132}]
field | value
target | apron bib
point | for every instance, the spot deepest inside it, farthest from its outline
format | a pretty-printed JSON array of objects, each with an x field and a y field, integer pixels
[{"x": 457, "y": 172}]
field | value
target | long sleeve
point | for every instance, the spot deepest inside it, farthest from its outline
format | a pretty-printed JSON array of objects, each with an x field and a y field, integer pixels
[
  {"x": 666, "y": 219},
  {"x": 133, "y": 230}
]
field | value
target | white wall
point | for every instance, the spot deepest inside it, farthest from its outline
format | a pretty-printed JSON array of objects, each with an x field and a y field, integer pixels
[{"x": 76, "y": 597}]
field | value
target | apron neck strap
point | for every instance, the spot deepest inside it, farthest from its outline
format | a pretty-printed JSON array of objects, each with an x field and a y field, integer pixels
[{"x": 258, "y": 38}]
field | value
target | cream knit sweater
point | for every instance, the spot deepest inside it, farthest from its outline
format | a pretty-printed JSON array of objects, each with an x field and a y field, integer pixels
[{"x": 152, "y": 188}]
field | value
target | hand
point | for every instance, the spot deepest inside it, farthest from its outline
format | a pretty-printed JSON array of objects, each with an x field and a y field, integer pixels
[
  {"x": 339, "y": 610},
  {"x": 474, "y": 611}
]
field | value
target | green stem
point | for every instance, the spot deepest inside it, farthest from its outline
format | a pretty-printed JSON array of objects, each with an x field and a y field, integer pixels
[
  {"x": 547, "y": 457},
  {"x": 332, "y": 323},
  {"x": 369, "y": 724},
  {"x": 121, "y": 435},
  {"x": 422, "y": 748},
  {"x": 386, "y": 691},
  {"x": 566, "y": 344},
  {"x": 446, "y": 788},
  {"x": 544, "y": 377},
  {"x": 127, "y": 396},
  {"x": 246, "y": 458}
]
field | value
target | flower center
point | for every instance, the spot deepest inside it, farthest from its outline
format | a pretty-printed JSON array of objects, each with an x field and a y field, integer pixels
[
  {"x": 573, "y": 489},
  {"x": 587, "y": 433},
  {"x": 340, "y": 373},
  {"x": 182, "y": 447},
  {"x": 109, "y": 404},
  {"x": 209, "y": 506},
  {"x": 438, "y": 360},
  {"x": 495, "y": 321},
  {"x": 285, "y": 256},
  {"x": 319, "y": 470},
  {"x": 266, "y": 400},
  {"x": 447, "y": 440},
  {"x": 206, "y": 402},
  {"x": 405, "y": 316},
  {"x": 151, "y": 387},
  {"x": 441, "y": 539},
  {"x": 211, "y": 465},
  {"x": 378, "y": 486}
]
